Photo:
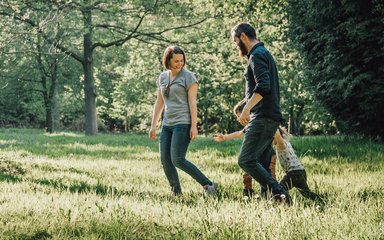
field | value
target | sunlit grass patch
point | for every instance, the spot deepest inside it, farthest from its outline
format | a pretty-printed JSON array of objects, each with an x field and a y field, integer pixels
[
  {"x": 64, "y": 134},
  {"x": 112, "y": 186},
  {"x": 7, "y": 142}
]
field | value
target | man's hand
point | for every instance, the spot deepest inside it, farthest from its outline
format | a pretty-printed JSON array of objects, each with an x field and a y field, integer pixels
[{"x": 244, "y": 117}]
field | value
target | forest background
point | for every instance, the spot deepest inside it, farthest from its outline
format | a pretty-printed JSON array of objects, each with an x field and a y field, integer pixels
[{"x": 92, "y": 65}]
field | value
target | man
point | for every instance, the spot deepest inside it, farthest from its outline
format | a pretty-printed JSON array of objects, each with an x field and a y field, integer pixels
[{"x": 261, "y": 113}]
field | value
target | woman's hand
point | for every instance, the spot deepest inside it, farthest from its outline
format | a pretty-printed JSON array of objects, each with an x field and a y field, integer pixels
[
  {"x": 219, "y": 137},
  {"x": 152, "y": 133},
  {"x": 193, "y": 133}
]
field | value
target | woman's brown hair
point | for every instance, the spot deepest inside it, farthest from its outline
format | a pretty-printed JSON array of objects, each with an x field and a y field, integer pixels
[{"x": 168, "y": 54}]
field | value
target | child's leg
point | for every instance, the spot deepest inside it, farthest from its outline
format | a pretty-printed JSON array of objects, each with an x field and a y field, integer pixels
[
  {"x": 302, "y": 185},
  {"x": 287, "y": 181},
  {"x": 247, "y": 181},
  {"x": 272, "y": 166}
]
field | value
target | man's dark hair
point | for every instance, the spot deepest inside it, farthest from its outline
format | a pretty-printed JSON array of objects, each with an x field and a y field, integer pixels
[{"x": 245, "y": 28}]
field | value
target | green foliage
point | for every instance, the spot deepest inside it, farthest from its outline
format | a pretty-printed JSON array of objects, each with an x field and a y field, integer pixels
[
  {"x": 125, "y": 74},
  {"x": 112, "y": 186},
  {"x": 342, "y": 44},
  {"x": 127, "y": 85},
  {"x": 20, "y": 106}
]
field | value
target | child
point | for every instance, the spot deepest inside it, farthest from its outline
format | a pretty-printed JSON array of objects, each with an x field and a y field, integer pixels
[
  {"x": 295, "y": 175},
  {"x": 247, "y": 179}
]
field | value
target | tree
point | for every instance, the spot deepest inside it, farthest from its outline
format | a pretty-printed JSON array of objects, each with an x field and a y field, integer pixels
[
  {"x": 39, "y": 66},
  {"x": 48, "y": 83},
  {"x": 123, "y": 71},
  {"x": 19, "y": 79},
  {"x": 271, "y": 22},
  {"x": 101, "y": 25},
  {"x": 342, "y": 45},
  {"x": 131, "y": 100}
]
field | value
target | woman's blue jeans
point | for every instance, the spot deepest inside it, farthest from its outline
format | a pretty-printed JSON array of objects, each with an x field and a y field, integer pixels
[
  {"x": 255, "y": 148},
  {"x": 174, "y": 141}
]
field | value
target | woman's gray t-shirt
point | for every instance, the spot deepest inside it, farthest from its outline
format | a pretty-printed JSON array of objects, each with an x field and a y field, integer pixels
[{"x": 176, "y": 109}]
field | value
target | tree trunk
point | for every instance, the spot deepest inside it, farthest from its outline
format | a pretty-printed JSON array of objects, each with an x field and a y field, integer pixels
[
  {"x": 48, "y": 94},
  {"x": 56, "y": 112},
  {"x": 51, "y": 96},
  {"x": 295, "y": 118},
  {"x": 300, "y": 114},
  {"x": 47, "y": 104},
  {"x": 291, "y": 121},
  {"x": 49, "y": 120},
  {"x": 89, "y": 82},
  {"x": 126, "y": 123},
  {"x": 206, "y": 122}
]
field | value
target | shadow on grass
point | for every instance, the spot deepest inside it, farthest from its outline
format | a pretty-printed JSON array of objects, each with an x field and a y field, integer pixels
[
  {"x": 129, "y": 225},
  {"x": 37, "y": 142},
  {"x": 100, "y": 189},
  {"x": 369, "y": 194},
  {"x": 4, "y": 177},
  {"x": 38, "y": 235},
  {"x": 10, "y": 171},
  {"x": 80, "y": 187}
]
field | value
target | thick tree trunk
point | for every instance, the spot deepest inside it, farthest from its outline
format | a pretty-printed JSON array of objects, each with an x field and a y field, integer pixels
[
  {"x": 49, "y": 120},
  {"x": 51, "y": 97},
  {"x": 89, "y": 82}
]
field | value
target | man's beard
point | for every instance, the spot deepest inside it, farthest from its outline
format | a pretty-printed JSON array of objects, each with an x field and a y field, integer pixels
[{"x": 243, "y": 50}]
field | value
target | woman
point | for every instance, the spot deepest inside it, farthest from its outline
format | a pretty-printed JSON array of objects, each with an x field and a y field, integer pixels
[{"x": 176, "y": 94}]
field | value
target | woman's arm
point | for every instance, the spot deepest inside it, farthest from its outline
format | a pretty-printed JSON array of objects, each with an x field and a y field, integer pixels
[
  {"x": 192, "y": 98},
  {"x": 157, "y": 110}
]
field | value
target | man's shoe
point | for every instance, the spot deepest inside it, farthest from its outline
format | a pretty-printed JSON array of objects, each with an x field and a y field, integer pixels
[
  {"x": 176, "y": 191},
  {"x": 248, "y": 193},
  {"x": 283, "y": 198},
  {"x": 209, "y": 190}
]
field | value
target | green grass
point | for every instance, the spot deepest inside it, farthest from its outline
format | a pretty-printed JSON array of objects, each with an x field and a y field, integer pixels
[{"x": 70, "y": 186}]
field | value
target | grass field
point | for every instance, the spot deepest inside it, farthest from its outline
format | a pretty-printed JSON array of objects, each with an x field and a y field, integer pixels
[{"x": 69, "y": 186}]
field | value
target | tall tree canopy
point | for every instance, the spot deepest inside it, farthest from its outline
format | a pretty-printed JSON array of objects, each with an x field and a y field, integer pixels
[
  {"x": 63, "y": 58},
  {"x": 343, "y": 48},
  {"x": 91, "y": 24}
]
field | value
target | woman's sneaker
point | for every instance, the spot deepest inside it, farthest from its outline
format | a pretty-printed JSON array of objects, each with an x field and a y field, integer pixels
[{"x": 211, "y": 189}]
